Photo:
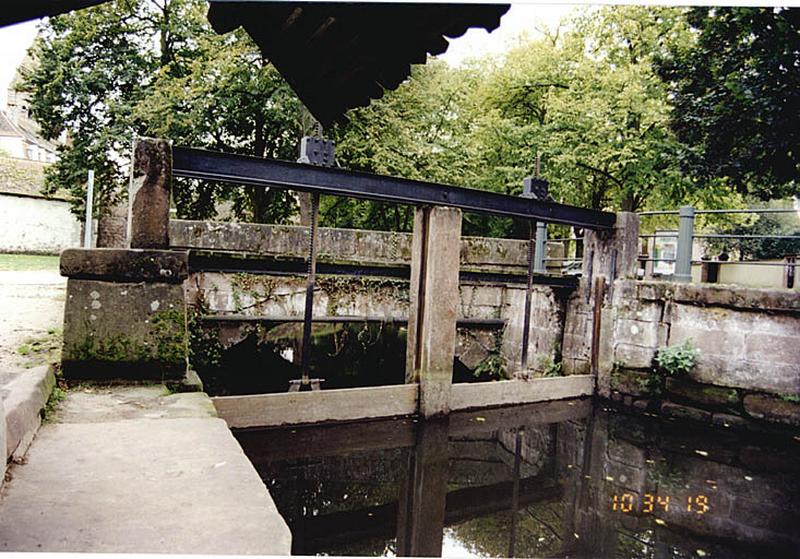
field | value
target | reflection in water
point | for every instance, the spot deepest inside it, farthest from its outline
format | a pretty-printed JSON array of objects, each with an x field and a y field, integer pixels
[{"x": 561, "y": 479}]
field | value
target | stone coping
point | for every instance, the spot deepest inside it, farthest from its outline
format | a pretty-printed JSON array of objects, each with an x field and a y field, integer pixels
[
  {"x": 128, "y": 265},
  {"x": 737, "y": 297}
]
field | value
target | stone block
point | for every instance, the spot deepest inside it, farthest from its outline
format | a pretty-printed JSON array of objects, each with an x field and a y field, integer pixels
[
  {"x": 167, "y": 266},
  {"x": 636, "y": 332},
  {"x": 753, "y": 375},
  {"x": 738, "y": 297},
  {"x": 774, "y": 348},
  {"x": 124, "y": 330},
  {"x": 705, "y": 394},
  {"x": 685, "y": 412},
  {"x": 634, "y": 357},
  {"x": 632, "y": 382},
  {"x": 149, "y": 194},
  {"x": 770, "y": 408}
]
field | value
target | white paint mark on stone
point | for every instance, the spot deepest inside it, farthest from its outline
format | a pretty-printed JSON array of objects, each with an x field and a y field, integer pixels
[
  {"x": 634, "y": 329},
  {"x": 92, "y": 317},
  {"x": 94, "y": 295},
  {"x": 154, "y": 306},
  {"x": 96, "y": 305},
  {"x": 124, "y": 292}
]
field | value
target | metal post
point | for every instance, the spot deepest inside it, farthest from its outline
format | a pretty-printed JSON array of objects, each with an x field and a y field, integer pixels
[
  {"x": 683, "y": 259},
  {"x": 541, "y": 248},
  {"x": 87, "y": 224}
]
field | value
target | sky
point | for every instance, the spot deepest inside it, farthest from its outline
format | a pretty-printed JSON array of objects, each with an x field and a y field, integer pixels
[{"x": 522, "y": 17}]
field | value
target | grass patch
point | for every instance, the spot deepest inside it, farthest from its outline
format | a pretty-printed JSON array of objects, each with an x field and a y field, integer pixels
[
  {"x": 28, "y": 263},
  {"x": 42, "y": 350},
  {"x": 56, "y": 396}
]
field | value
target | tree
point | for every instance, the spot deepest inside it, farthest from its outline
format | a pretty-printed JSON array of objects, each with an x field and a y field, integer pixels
[
  {"x": 87, "y": 76},
  {"x": 591, "y": 105},
  {"x": 227, "y": 98},
  {"x": 736, "y": 97},
  {"x": 102, "y": 79},
  {"x": 419, "y": 131}
]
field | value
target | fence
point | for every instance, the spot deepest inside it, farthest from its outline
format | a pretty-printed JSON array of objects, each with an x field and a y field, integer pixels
[
  {"x": 677, "y": 258},
  {"x": 675, "y": 261}
]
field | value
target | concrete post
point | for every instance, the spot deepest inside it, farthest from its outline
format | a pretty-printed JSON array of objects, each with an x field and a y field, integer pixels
[
  {"x": 149, "y": 194},
  {"x": 683, "y": 259},
  {"x": 433, "y": 309},
  {"x": 539, "y": 265}
]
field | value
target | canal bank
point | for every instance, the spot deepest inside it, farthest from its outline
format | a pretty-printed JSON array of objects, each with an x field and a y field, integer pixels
[{"x": 135, "y": 469}]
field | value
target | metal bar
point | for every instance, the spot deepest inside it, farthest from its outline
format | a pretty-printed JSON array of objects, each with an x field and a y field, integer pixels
[
  {"x": 748, "y": 262},
  {"x": 309, "y": 309},
  {"x": 725, "y": 236},
  {"x": 738, "y": 211},
  {"x": 461, "y": 322},
  {"x": 240, "y": 169}
]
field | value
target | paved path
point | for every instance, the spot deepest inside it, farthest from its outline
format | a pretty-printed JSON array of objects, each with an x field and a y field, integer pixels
[{"x": 135, "y": 470}]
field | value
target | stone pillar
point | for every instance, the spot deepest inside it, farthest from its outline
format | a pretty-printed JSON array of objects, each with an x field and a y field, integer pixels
[
  {"x": 434, "y": 304},
  {"x": 423, "y": 492},
  {"x": 149, "y": 194}
]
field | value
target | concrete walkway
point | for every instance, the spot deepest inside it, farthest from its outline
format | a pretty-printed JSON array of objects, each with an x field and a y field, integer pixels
[{"x": 136, "y": 470}]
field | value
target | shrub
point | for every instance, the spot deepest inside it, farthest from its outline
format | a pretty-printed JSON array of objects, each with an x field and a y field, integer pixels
[{"x": 677, "y": 360}]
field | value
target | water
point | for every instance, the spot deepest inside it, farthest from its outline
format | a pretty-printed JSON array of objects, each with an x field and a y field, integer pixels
[{"x": 560, "y": 479}]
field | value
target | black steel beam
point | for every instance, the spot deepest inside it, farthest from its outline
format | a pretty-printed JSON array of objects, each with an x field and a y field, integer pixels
[
  {"x": 240, "y": 169},
  {"x": 237, "y": 264}
]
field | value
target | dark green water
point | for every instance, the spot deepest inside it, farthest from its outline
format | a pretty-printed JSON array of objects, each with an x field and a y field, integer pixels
[{"x": 562, "y": 479}]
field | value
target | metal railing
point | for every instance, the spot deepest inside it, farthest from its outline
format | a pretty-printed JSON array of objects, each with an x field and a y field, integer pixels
[{"x": 686, "y": 235}]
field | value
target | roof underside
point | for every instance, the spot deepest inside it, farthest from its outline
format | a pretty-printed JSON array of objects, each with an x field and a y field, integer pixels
[{"x": 337, "y": 56}]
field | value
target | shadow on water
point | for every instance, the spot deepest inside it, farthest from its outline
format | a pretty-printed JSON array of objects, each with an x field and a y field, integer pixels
[{"x": 559, "y": 479}]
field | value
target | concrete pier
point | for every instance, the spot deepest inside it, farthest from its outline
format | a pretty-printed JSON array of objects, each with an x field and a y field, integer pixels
[{"x": 136, "y": 470}]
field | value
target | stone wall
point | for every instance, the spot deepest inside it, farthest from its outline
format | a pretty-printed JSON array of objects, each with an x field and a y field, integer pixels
[
  {"x": 748, "y": 368},
  {"x": 251, "y": 295},
  {"x": 37, "y": 225},
  {"x": 344, "y": 245}
]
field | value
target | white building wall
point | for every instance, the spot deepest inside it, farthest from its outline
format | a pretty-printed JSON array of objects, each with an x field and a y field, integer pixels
[{"x": 37, "y": 225}]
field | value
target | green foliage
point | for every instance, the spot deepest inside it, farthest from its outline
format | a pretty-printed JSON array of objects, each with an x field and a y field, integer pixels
[
  {"x": 791, "y": 398},
  {"x": 28, "y": 262},
  {"x": 550, "y": 368},
  {"x": 101, "y": 79},
  {"x": 775, "y": 225},
  {"x": 493, "y": 367},
  {"x": 676, "y": 360},
  {"x": 735, "y": 91},
  {"x": 56, "y": 396}
]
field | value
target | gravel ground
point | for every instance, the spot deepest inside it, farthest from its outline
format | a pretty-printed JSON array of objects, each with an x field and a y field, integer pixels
[{"x": 31, "y": 303}]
